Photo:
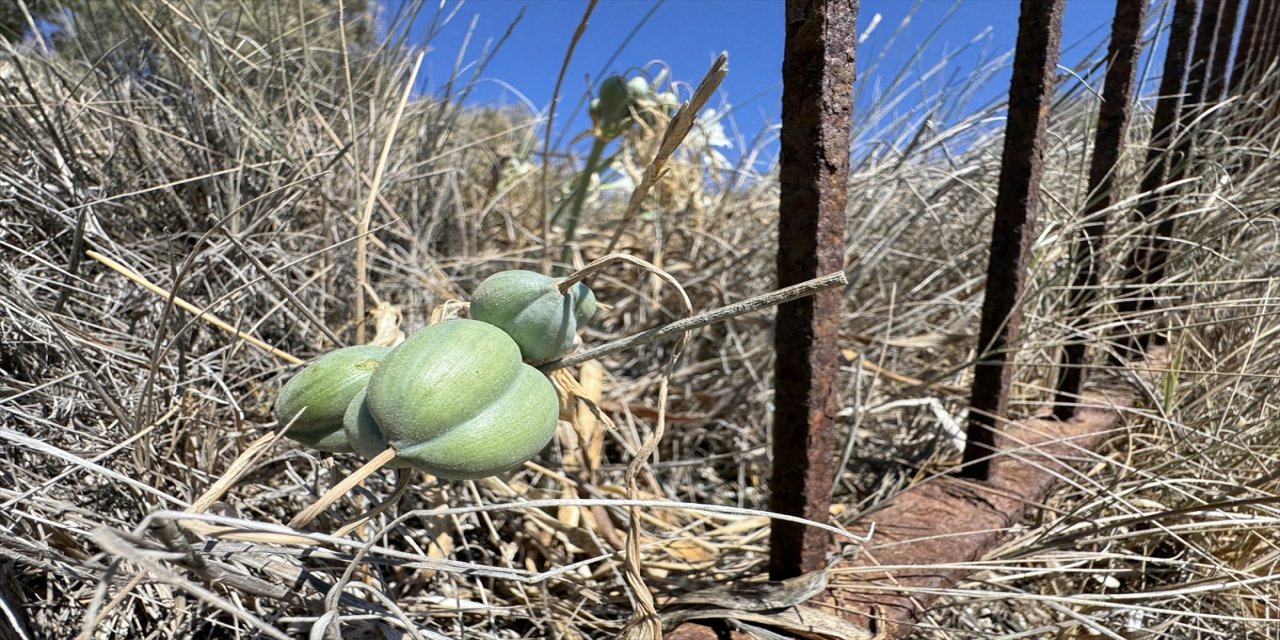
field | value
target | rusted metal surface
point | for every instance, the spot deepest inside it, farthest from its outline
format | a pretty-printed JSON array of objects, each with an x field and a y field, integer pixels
[
  {"x": 929, "y": 531},
  {"x": 1146, "y": 267},
  {"x": 1259, "y": 43},
  {"x": 818, "y": 73},
  {"x": 1198, "y": 83},
  {"x": 1217, "y": 80},
  {"x": 1264, "y": 38},
  {"x": 1206, "y": 45},
  {"x": 1250, "y": 29},
  {"x": 1113, "y": 121},
  {"x": 1030, "y": 92},
  {"x": 1271, "y": 43},
  {"x": 1164, "y": 128}
]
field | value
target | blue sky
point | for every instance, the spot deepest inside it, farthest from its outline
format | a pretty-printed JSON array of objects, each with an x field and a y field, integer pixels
[{"x": 687, "y": 34}]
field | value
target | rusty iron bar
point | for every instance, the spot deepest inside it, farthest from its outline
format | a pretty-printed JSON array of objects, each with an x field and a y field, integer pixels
[
  {"x": 1164, "y": 128},
  {"x": 1258, "y": 61},
  {"x": 934, "y": 533},
  {"x": 1272, "y": 41},
  {"x": 1022, "y": 163},
  {"x": 1244, "y": 73},
  {"x": 1250, "y": 29},
  {"x": 1146, "y": 266},
  {"x": 1269, "y": 57},
  {"x": 1198, "y": 78},
  {"x": 817, "y": 95},
  {"x": 1123, "y": 53},
  {"x": 1217, "y": 81},
  {"x": 1264, "y": 38}
]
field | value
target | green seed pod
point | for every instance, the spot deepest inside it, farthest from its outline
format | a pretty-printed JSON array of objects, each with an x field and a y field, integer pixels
[
  {"x": 455, "y": 401},
  {"x": 363, "y": 433},
  {"x": 529, "y": 307},
  {"x": 611, "y": 112},
  {"x": 315, "y": 400}
]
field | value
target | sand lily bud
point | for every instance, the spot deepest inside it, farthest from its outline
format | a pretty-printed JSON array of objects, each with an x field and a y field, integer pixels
[{"x": 611, "y": 111}]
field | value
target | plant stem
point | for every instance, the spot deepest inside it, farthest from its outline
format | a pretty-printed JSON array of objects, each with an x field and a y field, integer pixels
[
  {"x": 773, "y": 298},
  {"x": 348, "y": 483},
  {"x": 403, "y": 476},
  {"x": 580, "y": 197}
]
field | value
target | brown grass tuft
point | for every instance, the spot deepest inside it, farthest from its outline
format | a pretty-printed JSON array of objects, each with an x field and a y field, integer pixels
[{"x": 232, "y": 173}]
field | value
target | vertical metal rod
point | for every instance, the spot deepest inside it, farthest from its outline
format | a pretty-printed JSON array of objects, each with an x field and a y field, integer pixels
[
  {"x": 1147, "y": 261},
  {"x": 1256, "y": 37},
  {"x": 817, "y": 90},
  {"x": 1266, "y": 14},
  {"x": 1267, "y": 64},
  {"x": 1261, "y": 38},
  {"x": 1250, "y": 29},
  {"x": 1225, "y": 35},
  {"x": 1271, "y": 43},
  {"x": 1017, "y": 200},
  {"x": 1113, "y": 121},
  {"x": 1198, "y": 78}
]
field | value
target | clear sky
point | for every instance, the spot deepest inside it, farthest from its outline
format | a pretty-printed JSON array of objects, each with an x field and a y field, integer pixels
[{"x": 687, "y": 34}]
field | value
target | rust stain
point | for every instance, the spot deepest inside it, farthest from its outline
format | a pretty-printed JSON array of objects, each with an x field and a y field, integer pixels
[
  {"x": 1113, "y": 121},
  {"x": 1217, "y": 79},
  {"x": 1022, "y": 162},
  {"x": 924, "y": 534},
  {"x": 1272, "y": 41},
  {"x": 1146, "y": 263},
  {"x": 1250, "y": 29},
  {"x": 927, "y": 532},
  {"x": 1264, "y": 50},
  {"x": 818, "y": 74}
]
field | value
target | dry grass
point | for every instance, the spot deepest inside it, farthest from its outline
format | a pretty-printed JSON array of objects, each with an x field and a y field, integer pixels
[{"x": 235, "y": 179}]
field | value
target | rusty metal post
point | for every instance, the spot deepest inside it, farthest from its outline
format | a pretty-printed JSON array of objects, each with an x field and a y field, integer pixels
[
  {"x": 1113, "y": 121},
  {"x": 1198, "y": 77},
  {"x": 1264, "y": 37},
  {"x": 817, "y": 94},
  {"x": 1217, "y": 80},
  {"x": 1146, "y": 265},
  {"x": 1264, "y": 77},
  {"x": 1261, "y": 35},
  {"x": 1271, "y": 43},
  {"x": 1250, "y": 29},
  {"x": 1017, "y": 200}
]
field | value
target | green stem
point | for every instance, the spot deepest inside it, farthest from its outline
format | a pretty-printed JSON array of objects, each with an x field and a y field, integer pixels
[{"x": 579, "y": 197}]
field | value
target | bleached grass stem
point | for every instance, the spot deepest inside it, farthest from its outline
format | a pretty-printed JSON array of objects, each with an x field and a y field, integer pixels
[
  {"x": 362, "y": 229},
  {"x": 721, "y": 314},
  {"x": 306, "y": 516},
  {"x": 141, "y": 280}
]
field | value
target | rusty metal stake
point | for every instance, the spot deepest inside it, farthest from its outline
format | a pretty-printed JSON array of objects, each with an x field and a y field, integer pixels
[
  {"x": 1264, "y": 77},
  {"x": 817, "y": 90},
  {"x": 1146, "y": 266},
  {"x": 1217, "y": 81},
  {"x": 1206, "y": 46},
  {"x": 1263, "y": 37},
  {"x": 1022, "y": 162},
  {"x": 1261, "y": 40},
  {"x": 1250, "y": 29},
  {"x": 1271, "y": 43},
  {"x": 1113, "y": 121}
]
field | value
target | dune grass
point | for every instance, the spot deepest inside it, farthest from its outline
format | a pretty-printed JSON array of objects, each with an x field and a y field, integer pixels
[{"x": 238, "y": 172}]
